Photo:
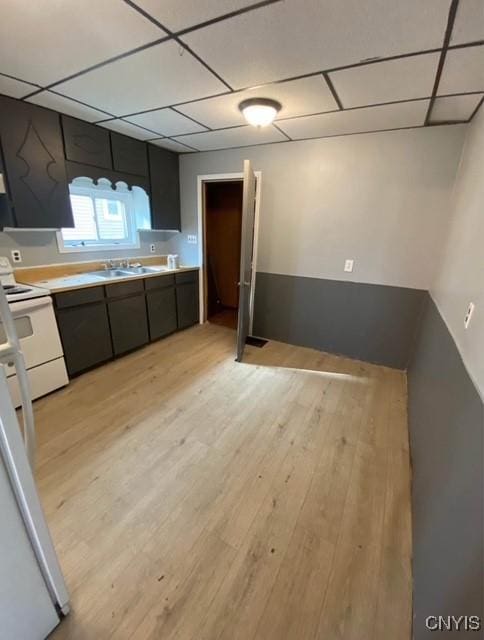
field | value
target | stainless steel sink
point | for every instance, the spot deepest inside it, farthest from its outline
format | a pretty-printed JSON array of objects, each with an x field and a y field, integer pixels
[
  {"x": 111, "y": 273},
  {"x": 141, "y": 270}
]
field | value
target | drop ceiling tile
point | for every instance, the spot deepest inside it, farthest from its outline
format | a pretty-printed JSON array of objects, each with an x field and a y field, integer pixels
[
  {"x": 176, "y": 15},
  {"x": 15, "y": 88},
  {"x": 237, "y": 137},
  {"x": 469, "y": 22},
  {"x": 284, "y": 40},
  {"x": 463, "y": 71},
  {"x": 454, "y": 108},
  {"x": 156, "y": 77},
  {"x": 401, "y": 79},
  {"x": 297, "y": 97},
  {"x": 128, "y": 129},
  {"x": 45, "y": 41},
  {"x": 166, "y": 122},
  {"x": 390, "y": 116},
  {"x": 172, "y": 145},
  {"x": 66, "y": 105}
]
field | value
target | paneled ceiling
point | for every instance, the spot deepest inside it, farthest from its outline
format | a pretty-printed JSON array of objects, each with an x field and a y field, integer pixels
[{"x": 174, "y": 72}]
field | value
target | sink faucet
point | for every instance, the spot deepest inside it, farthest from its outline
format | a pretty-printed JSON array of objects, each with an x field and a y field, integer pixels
[{"x": 109, "y": 264}]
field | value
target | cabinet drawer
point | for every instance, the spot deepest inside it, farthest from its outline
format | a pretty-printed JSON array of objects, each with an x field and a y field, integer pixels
[
  {"x": 160, "y": 282},
  {"x": 186, "y": 276},
  {"x": 79, "y": 296},
  {"x": 118, "y": 289}
]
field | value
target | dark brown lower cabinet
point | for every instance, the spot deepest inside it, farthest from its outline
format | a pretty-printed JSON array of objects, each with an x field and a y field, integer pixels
[
  {"x": 102, "y": 322},
  {"x": 85, "y": 336},
  {"x": 187, "y": 304},
  {"x": 129, "y": 325},
  {"x": 161, "y": 305}
]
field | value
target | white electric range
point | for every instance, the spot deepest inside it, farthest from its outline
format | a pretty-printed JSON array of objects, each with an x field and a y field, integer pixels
[{"x": 36, "y": 326}]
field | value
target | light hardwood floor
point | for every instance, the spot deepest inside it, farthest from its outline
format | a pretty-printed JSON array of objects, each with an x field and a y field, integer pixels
[{"x": 191, "y": 497}]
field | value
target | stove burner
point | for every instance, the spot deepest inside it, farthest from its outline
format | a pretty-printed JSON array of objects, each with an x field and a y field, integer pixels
[{"x": 13, "y": 289}]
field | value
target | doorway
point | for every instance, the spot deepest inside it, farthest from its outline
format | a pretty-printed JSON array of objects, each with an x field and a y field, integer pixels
[
  {"x": 225, "y": 192},
  {"x": 223, "y": 232}
]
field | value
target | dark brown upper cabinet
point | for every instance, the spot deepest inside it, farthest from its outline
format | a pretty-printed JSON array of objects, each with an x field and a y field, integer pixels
[
  {"x": 33, "y": 157},
  {"x": 129, "y": 155},
  {"x": 86, "y": 143},
  {"x": 165, "y": 189}
]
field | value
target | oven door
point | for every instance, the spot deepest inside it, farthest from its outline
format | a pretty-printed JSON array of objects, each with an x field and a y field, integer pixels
[{"x": 37, "y": 331}]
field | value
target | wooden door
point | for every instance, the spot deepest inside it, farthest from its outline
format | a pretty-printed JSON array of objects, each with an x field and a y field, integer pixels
[{"x": 246, "y": 256}]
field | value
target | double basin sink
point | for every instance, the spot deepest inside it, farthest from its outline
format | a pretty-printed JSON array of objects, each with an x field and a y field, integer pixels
[{"x": 122, "y": 272}]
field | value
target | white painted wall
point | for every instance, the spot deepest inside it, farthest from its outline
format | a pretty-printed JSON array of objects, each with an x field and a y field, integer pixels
[
  {"x": 461, "y": 277},
  {"x": 381, "y": 199}
]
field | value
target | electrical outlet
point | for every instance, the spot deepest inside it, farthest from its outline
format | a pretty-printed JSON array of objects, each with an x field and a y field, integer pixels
[
  {"x": 470, "y": 311},
  {"x": 152, "y": 248},
  {"x": 16, "y": 255},
  {"x": 191, "y": 238},
  {"x": 349, "y": 265}
]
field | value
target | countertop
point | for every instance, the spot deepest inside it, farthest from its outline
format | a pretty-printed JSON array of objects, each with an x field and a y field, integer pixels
[{"x": 84, "y": 280}]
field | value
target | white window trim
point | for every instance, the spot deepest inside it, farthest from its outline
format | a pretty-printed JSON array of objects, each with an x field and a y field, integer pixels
[{"x": 100, "y": 246}]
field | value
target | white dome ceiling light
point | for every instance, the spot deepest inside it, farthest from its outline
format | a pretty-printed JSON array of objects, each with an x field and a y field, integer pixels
[{"x": 259, "y": 112}]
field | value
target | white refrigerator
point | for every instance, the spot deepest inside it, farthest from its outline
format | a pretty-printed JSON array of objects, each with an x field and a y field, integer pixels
[{"x": 33, "y": 595}]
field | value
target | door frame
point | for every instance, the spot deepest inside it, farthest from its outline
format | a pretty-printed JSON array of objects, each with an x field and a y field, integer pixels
[{"x": 224, "y": 177}]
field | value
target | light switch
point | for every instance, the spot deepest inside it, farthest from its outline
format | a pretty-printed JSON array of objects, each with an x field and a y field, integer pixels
[
  {"x": 191, "y": 239},
  {"x": 349, "y": 265},
  {"x": 470, "y": 311}
]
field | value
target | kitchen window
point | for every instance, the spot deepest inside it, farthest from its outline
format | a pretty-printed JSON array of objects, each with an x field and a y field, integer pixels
[{"x": 104, "y": 218}]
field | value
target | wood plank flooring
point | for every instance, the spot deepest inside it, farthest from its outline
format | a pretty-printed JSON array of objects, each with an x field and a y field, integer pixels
[{"x": 191, "y": 497}]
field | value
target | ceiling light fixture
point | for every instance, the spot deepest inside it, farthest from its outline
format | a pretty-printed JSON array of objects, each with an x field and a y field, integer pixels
[{"x": 259, "y": 112}]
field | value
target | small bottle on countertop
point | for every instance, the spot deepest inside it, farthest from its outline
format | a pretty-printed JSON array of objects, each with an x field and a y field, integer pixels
[{"x": 173, "y": 261}]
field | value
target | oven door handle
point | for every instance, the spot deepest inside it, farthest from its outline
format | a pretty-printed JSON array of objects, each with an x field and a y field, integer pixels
[
  {"x": 11, "y": 350},
  {"x": 30, "y": 305}
]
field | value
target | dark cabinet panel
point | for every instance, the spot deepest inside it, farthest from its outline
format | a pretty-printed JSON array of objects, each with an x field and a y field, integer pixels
[
  {"x": 161, "y": 304},
  {"x": 129, "y": 325},
  {"x": 129, "y": 155},
  {"x": 85, "y": 336},
  {"x": 187, "y": 304},
  {"x": 126, "y": 288},
  {"x": 86, "y": 143},
  {"x": 33, "y": 156},
  {"x": 159, "y": 282},
  {"x": 76, "y": 170},
  {"x": 79, "y": 296},
  {"x": 165, "y": 189},
  {"x": 185, "y": 277}
]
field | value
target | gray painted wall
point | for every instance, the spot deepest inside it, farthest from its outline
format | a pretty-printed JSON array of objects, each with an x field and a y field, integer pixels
[
  {"x": 381, "y": 199},
  {"x": 40, "y": 247},
  {"x": 461, "y": 278},
  {"x": 446, "y": 417},
  {"x": 375, "y": 323},
  {"x": 446, "y": 414}
]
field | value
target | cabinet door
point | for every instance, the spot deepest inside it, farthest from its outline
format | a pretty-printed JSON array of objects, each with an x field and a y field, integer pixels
[
  {"x": 129, "y": 324},
  {"x": 187, "y": 304},
  {"x": 165, "y": 189},
  {"x": 86, "y": 143},
  {"x": 85, "y": 336},
  {"x": 162, "y": 318},
  {"x": 33, "y": 154},
  {"x": 129, "y": 155}
]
